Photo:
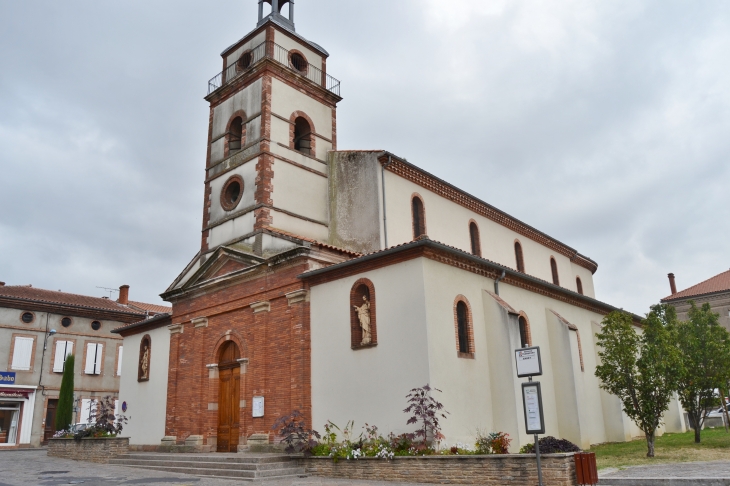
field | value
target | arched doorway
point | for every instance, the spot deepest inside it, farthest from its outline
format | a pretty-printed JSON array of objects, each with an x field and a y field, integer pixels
[{"x": 229, "y": 397}]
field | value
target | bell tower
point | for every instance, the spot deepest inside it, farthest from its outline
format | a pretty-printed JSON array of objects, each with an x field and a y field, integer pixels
[
  {"x": 272, "y": 122},
  {"x": 276, "y": 8}
]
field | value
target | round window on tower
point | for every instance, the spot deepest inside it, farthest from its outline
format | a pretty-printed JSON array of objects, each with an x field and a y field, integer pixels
[
  {"x": 96, "y": 325},
  {"x": 231, "y": 193},
  {"x": 298, "y": 61},
  {"x": 27, "y": 317},
  {"x": 245, "y": 61},
  {"x": 66, "y": 321}
]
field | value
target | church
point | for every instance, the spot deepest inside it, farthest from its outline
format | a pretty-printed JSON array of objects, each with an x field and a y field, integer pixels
[{"x": 333, "y": 282}]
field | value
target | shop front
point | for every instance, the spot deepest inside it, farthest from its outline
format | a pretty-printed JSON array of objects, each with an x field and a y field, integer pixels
[{"x": 16, "y": 415}]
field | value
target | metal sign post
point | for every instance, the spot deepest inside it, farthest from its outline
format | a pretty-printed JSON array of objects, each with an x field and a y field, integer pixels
[{"x": 529, "y": 365}]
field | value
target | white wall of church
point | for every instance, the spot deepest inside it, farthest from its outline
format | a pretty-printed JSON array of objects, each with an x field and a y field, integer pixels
[
  {"x": 300, "y": 191},
  {"x": 285, "y": 100},
  {"x": 288, "y": 43},
  {"x": 448, "y": 222},
  {"x": 417, "y": 344},
  {"x": 249, "y": 101},
  {"x": 146, "y": 401},
  {"x": 233, "y": 57},
  {"x": 247, "y": 172},
  {"x": 231, "y": 230},
  {"x": 369, "y": 385}
]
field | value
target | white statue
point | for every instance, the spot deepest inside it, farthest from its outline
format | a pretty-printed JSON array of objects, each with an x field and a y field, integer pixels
[
  {"x": 145, "y": 362},
  {"x": 363, "y": 315}
]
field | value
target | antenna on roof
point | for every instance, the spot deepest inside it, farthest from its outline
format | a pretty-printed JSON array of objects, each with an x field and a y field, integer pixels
[{"x": 107, "y": 289}]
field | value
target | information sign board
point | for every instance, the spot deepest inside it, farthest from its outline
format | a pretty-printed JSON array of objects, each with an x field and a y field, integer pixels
[
  {"x": 528, "y": 362},
  {"x": 532, "y": 402},
  {"x": 258, "y": 406}
]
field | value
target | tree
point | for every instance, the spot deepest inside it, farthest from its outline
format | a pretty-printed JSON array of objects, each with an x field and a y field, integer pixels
[
  {"x": 704, "y": 348},
  {"x": 65, "y": 407},
  {"x": 426, "y": 410},
  {"x": 640, "y": 368}
]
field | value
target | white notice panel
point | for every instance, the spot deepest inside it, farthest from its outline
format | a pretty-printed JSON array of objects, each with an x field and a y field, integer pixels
[
  {"x": 258, "y": 406},
  {"x": 528, "y": 362},
  {"x": 532, "y": 401}
]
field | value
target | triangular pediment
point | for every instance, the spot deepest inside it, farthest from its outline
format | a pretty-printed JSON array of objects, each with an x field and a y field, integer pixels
[{"x": 223, "y": 262}]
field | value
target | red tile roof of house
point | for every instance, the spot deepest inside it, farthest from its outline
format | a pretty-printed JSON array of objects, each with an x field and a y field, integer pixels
[
  {"x": 718, "y": 283},
  {"x": 53, "y": 297},
  {"x": 32, "y": 294},
  {"x": 151, "y": 308}
]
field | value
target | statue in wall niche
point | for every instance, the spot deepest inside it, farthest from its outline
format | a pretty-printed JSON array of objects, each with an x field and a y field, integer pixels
[
  {"x": 145, "y": 363},
  {"x": 363, "y": 315}
]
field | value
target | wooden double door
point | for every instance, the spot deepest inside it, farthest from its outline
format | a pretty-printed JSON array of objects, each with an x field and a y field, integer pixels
[{"x": 229, "y": 400}]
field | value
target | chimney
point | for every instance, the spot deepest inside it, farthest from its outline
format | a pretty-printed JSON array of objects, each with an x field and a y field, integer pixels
[
  {"x": 2, "y": 284},
  {"x": 672, "y": 285},
  {"x": 123, "y": 295}
]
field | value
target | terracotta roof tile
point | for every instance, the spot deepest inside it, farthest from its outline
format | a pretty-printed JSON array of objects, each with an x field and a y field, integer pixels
[
  {"x": 718, "y": 283},
  {"x": 53, "y": 297},
  {"x": 151, "y": 308}
]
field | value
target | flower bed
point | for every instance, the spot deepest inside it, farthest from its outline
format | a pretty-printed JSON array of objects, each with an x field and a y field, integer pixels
[
  {"x": 496, "y": 469},
  {"x": 98, "y": 450}
]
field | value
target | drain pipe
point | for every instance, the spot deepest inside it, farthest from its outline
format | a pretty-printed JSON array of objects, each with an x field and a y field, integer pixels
[
  {"x": 499, "y": 279},
  {"x": 385, "y": 218}
]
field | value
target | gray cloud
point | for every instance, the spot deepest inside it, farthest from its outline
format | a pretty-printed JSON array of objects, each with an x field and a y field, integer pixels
[{"x": 603, "y": 124}]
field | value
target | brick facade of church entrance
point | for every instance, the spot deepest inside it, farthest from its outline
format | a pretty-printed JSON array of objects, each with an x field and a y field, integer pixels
[{"x": 266, "y": 316}]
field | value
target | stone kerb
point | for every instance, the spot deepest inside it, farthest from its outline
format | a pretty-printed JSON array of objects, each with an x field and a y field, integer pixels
[
  {"x": 90, "y": 449},
  {"x": 557, "y": 469}
]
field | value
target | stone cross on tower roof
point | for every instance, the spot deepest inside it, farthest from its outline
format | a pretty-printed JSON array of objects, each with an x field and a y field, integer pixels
[{"x": 276, "y": 6}]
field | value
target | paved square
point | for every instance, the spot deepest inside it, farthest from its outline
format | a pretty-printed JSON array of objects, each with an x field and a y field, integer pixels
[{"x": 33, "y": 467}]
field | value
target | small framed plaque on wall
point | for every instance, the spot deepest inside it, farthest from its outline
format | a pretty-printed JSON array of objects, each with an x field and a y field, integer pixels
[{"x": 258, "y": 406}]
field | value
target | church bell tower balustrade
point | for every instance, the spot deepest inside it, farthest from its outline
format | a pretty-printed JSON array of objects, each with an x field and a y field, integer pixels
[{"x": 273, "y": 51}]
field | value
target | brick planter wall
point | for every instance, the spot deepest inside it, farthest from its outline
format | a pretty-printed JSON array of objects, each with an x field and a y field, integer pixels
[
  {"x": 518, "y": 469},
  {"x": 89, "y": 449}
]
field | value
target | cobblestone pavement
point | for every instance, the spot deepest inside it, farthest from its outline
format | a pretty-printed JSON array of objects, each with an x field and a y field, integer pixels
[
  {"x": 34, "y": 467},
  {"x": 713, "y": 469}
]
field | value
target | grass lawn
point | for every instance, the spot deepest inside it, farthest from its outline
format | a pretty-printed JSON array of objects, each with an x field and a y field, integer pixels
[{"x": 715, "y": 446}]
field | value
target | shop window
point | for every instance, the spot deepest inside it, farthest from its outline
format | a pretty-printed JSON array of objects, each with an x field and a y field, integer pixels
[
  {"x": 145, "y": 353},
  {"x": 579, "y": 285},
  {"x": 94, "y": 358},
  {"x": 476, "y": 248},
  {"x": 23, "y": 353},
  {"x": 525, "y": 337},
  {"x": 554, "y": 268},
  {"x": 63, "y": 350},
  {"x": 464, "y": 328},
  {"x": 302, "y": 136},
  {"x": 418, "y": 214},
  {"x": 519, "y": 258},
  {"x": 363, "y": 325},
  {"x": 9, "y": 419}
]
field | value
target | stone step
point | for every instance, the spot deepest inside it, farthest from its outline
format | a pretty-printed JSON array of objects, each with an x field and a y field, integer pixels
[
  {"x": 203, "y": 464},
  {"x": 235, "y": 458},
  {"x": 230, "y": 473}
]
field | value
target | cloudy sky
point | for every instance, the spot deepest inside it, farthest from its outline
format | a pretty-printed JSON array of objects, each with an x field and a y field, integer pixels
[{"x": 605, "y": 124}]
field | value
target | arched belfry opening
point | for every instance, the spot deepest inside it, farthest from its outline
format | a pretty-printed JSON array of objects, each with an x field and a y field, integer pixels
[
  {"x": 278, "y": 9},
  {"x": 229, "y": 397}
]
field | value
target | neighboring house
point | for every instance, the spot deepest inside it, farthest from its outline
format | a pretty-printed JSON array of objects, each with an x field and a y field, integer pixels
[
  {"x": 39, "y": 329},
  {"x": 714, "y": 291},
  {"x": 316, "y": 288}
]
